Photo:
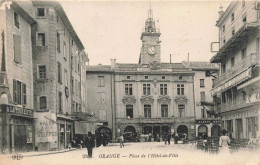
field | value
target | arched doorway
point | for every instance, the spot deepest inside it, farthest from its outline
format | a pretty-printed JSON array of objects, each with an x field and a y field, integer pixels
[
  {"x": 215, "y": 131},
  {"x": 130, "y": 134},
  {"x": 103, "y": 136},
  {"x": 181, "y": 130},
  {"x": 202, "y": 129}
]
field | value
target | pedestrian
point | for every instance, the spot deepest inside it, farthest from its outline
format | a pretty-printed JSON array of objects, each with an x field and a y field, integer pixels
[
  {"x": 121, "y": 140},
  {"x": 224, "y": 142},
  {"x": 176, "y": 138},
  {"x": 90, "y": 143},
  {"x": 169, "y": 138}
]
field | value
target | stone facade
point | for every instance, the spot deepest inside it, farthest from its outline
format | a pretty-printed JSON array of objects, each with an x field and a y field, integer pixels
[
  {"x": 41, "y": 55},
  {"x": 16, "y": 81},
  {"x": 236, "y": 89}
]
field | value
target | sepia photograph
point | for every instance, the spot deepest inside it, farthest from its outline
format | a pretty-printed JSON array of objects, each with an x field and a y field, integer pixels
[{"x": 129, "y": 82}]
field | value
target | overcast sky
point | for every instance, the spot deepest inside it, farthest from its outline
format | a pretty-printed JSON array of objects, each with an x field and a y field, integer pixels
[{"x": 112, "y": 29}]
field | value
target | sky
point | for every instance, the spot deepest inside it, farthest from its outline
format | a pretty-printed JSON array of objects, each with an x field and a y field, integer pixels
[{"x": 112, "y": 29}]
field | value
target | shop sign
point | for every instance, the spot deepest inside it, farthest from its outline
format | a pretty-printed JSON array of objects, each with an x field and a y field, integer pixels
[
  {"x": 208, "y": 121},
  {"x": 19, "y": 110},
  {"x": 241, "y": 115},
  {"x": 235, "y": 80},
  {"x": 45, "y": 127}
]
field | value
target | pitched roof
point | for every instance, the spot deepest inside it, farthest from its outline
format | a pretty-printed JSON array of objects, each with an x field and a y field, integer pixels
[
  {"x": 99, "y": 68},
  {"x": 200, "y": 65}
]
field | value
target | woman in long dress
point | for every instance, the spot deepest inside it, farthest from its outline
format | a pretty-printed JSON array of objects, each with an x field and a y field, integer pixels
[{"x": 224, "y": 141}]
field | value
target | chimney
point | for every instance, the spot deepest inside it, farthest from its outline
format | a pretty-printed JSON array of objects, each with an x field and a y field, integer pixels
[
  {"x": 221, "y": 12},
  {"x": 113, "y": 63}
]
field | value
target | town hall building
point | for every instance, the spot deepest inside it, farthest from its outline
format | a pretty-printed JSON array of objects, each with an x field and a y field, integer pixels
[{"x": 146, "y": 98}]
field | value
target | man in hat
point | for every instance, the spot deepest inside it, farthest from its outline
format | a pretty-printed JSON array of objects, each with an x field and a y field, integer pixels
[{"x": 90, "y": 142}]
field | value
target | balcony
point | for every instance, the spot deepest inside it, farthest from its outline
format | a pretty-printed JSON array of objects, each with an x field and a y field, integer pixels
[
  {"x": 245, "y": 30},
  {"x": 240, "y": 67},
  {"x": 226, "y": 107}
]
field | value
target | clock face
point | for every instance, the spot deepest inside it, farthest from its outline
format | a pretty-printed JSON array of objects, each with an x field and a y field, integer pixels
[{"x": 151, "y": 50}]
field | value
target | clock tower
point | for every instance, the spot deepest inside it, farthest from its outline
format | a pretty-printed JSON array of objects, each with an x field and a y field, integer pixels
[{"x": 150, "y": 51}]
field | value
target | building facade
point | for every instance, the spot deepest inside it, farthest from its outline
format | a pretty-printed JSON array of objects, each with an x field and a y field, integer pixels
[
  {"x": 16, "y": 81},
  {"x": 206, "y": 118},
  {"x": 236, "y": 90},
  {"x": 148, "y": 98},
  {"x": 42, "y": 62}
]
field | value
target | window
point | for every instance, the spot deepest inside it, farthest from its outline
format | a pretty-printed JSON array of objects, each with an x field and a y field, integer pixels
[
  {"x": 73, "y": 106},
  {"x": 163, "y": 77},
  {"x": 203, "y": 113},
  {"x": 180, "y": 89},
  {"x": 146, "y": 89},
  {"x": 128, "y": 77},
  {"x": 202, "y": 85},
  {"x": 223, "y": 97},
  {"x": 66, "y": 78},
  {"x": 232, "y": 61},
  {"x": 207, "y": 74},
  {"x": 17, "y": 49},
  {"x": 181, "y": 109},
  {"x": 163, "y": 89},
  {"x": 180, "y": 77},
  {"x": 72, "y": 63},
  {"x": 59, "y": 73},
  {"x": 243, "y": 95},
  {"x": 224, "y": 28},
  {"x": 41, "y": 39},
  {"x": 60, "y": 102},
  {"x": 224, "y": 41},
  {"x": 128, "y": 89},
  {"x": 164, "y": 110},
  {"x": 232, "y": 17},
  {"x": 243, "y": 53},
  {"x": 243, "y": 3},
  {"x": 233, "y": 31},
  {"x": 19, "y": 93},
  {"x": 78, "y": 65},
  {"x": 64, "y": 50},
  {"x": 223, "y": 68},
  {"x": 77, "y": 107},
  {"x": 72, "y": 85},
  {"x": 147, "y": 111},
  {"x": 42, "y": 72},
  {"x": 16, "y": 20},
  {"x": 146, "y": 77},
  {"x": 129, "y": 111},
  {"x": 40, "y": 12},
  {"x": 58, "y": 42},
  {"x": 101, "y": 82},
  {"x": 202, "y": 96},
  {"x": 244, "y": 19},
  {"x": 43, "y": 103}
]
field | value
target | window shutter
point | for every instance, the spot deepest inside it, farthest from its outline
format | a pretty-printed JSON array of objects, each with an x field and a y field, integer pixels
[
  {"x": 24, "y": 94},
  {"x": 17, "y": 48},
  {"x": 14, "y": 92}
]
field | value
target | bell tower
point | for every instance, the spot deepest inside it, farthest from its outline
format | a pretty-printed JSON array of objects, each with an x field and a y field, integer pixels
[{"x": 150, "y": 51}]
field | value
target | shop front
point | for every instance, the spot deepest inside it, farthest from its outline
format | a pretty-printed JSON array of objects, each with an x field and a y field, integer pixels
[
  {"x": 211, "y": 127},
  {"x": 65, "y": 131},
  {"x": 243, "y": 123},
  {"x": 17, "y": 129}
]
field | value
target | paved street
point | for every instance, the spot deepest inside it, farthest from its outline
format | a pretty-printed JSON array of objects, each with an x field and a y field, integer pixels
[{"x": 139, "y": 153}]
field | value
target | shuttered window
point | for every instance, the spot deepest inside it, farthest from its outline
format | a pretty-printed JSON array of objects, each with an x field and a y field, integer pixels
[
  {"x": 17, "y": 48},
  {"x": 19, "y": 93}
]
